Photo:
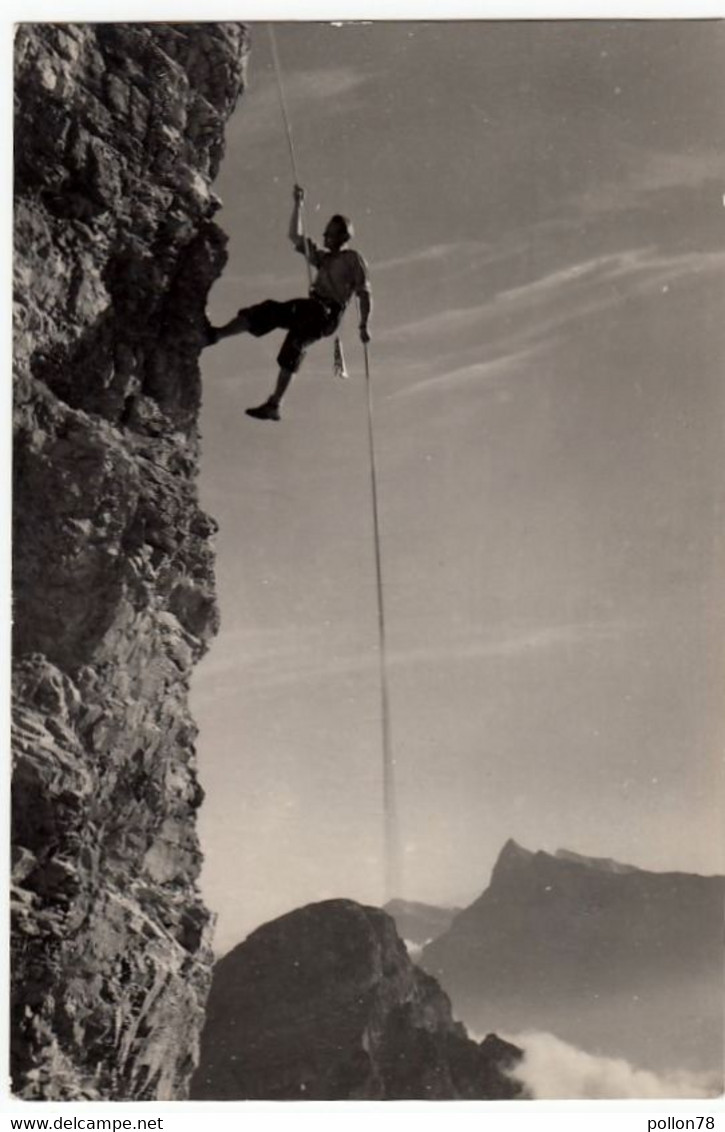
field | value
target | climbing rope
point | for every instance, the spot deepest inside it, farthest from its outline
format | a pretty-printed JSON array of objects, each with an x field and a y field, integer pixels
[
  {"x": 393, "y": 870},
  {"x": 290, "y": 143}
]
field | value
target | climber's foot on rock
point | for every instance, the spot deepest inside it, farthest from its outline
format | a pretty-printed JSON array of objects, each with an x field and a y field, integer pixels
[{"x": 211, "y": 334}]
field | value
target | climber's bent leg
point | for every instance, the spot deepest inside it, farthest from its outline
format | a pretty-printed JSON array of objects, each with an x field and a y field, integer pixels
[
  {"x": 257, "y": 320},
  {"x": 238, "y": 325},
  {"x": 309, "y": 322},
  {"x": 284, "y": 377}
]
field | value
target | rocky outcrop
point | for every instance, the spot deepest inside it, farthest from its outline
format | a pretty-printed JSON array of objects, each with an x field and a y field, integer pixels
[
  {"x": 119, "y": 134},
  {"x": 324, "y": 1004},
  {"x": 615, "y": 959}
]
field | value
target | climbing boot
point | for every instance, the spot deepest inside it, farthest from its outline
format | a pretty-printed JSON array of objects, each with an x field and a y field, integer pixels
[{"x": 266, "y": 412}]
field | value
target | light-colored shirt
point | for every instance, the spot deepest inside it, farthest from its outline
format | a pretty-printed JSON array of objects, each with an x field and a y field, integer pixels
[{"x": 340, "y": 275}]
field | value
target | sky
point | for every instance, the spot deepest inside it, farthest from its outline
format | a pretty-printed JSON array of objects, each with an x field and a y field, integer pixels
[{"x": 541, "y": 205}]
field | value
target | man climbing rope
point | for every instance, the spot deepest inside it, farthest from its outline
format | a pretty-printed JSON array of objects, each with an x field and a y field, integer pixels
[{"x": 341, "y": 273}]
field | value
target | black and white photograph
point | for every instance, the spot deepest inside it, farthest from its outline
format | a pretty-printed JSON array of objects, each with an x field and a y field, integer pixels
[{"x": 368, "y": 638}]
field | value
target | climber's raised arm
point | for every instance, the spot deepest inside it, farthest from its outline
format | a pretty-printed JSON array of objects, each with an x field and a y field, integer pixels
[{"x": 302, "y": 244}]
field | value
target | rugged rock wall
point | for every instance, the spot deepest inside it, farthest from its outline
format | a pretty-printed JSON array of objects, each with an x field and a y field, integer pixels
[
  {"x": 119, "y": 133},
  {"x": 325, "y": 1004}
]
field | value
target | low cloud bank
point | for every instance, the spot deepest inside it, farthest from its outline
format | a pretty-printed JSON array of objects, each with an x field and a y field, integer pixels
[
  {"x": 415, "y": 950},
  {"x": 554, "y": 1070}
]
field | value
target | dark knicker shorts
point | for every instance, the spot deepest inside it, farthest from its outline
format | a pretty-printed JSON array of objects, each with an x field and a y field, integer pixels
[{"x": 305, "y": 320}]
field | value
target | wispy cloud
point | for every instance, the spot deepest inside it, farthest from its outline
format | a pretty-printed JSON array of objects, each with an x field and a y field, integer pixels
[
  {"x": 555, "y": 1070},
  {"x": 573, "y": 276},
  {"x": 527, "y": 641},
  {"x": 579, "y": 287},
  {"x": 279, "y": 658},
  {"x": 452, "y": 253},
  {"x": 520, "y": 320},
  {"x": 322, "y": 90},
  {"x": 448, "y": 321},
  {"x": 641, "y": 268},
  {"x": 643, "y": 173},
  {"x": 479, "y": 372},
  {"x": 658, "y": 170}
]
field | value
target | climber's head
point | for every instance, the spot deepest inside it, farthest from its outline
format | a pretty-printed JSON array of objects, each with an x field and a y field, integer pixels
[{"x": 338, "y": 232}]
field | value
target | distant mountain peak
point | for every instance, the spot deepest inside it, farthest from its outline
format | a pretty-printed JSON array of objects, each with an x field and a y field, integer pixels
[
  {"x": 397, "y": 905},
  {"x": 420, "y": 923},
  {"x": 607, "y": 956},
  {"x": 512, "y": 858},
  {"x": 513, "y": 852},
  {"x": 601, "y": 864}
]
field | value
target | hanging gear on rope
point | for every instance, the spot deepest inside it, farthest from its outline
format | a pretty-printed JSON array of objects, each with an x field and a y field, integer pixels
[{"x": 338, "y": 359}]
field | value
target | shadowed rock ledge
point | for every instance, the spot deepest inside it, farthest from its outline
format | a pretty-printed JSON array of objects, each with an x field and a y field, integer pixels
[
  {"x": 119, "y": 134},
  {"x": 325, "y": 1004}
]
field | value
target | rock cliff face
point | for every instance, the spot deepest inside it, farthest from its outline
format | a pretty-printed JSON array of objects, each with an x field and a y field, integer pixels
[
  {"x": 119, "y": 134},
  {"x": 325, "y": 1004}
]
